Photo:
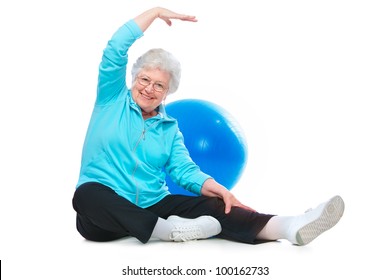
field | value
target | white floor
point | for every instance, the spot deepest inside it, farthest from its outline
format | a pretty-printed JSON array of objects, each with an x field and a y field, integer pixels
[{"x": 50, "y": 248}]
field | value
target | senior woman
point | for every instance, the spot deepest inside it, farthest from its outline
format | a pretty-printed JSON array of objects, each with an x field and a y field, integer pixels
[{"x": 131, "y": 141}]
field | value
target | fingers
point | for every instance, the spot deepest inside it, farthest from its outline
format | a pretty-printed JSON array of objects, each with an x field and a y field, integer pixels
[
  {"x": 167, "y": 15},
  {"x": 231, "y": 201},
  {"x": 228, "y": 207},
  {"x": 183, "y": 18},
  {"x": 168, "y": 21},
  {"x": 189, "y": 18}
]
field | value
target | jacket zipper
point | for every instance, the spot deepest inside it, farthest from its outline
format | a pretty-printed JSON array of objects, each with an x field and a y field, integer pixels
[{"x": 141, "y": 137}]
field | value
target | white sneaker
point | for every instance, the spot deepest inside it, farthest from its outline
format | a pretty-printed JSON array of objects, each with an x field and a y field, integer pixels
[
  {"x": 316, "y": 221},
  {"x": 192, "y": 229}
]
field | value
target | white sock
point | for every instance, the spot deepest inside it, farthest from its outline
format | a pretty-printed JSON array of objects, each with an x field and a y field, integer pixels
[
  {"x": 276, "y": 228},
  {"x": 162, "y": 229}
]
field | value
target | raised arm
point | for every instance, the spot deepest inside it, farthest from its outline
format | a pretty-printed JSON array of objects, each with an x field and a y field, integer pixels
[{"x": 112, "y": 70}]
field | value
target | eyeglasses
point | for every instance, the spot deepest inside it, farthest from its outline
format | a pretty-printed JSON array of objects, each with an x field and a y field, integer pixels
[{"x": 157, "y": 86}]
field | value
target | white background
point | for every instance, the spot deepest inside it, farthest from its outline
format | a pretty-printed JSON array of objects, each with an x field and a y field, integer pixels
[{"x": 307, "y": 80}]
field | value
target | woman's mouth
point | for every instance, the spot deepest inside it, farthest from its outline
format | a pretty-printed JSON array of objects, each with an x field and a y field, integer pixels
[{"x": 146, "y": 96}]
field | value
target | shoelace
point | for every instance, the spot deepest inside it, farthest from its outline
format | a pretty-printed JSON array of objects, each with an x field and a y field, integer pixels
[{"x": 180, "y": 233}]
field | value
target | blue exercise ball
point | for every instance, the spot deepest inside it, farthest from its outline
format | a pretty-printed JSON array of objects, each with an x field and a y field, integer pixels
[{"x": 214, "y": 139}]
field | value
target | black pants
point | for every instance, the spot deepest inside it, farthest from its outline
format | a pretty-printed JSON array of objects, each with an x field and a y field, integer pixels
[{"x": 103, "y": 215}]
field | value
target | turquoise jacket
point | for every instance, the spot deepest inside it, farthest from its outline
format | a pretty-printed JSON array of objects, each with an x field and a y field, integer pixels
[{"x": 121, "y": 149}]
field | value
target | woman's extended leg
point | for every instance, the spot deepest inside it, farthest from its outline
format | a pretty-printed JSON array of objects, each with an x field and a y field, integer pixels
[
  {"x": 239, "y": 225},
  {"x": 303, "y": 229}
]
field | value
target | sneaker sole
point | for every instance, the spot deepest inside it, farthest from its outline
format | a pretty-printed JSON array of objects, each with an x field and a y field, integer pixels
[{"x": 331, "y": 214}]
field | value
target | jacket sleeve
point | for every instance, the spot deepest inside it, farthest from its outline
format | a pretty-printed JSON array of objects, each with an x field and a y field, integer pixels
[
  {"x": 112, "y": 69},
  {"x": 182, "y": 169}
]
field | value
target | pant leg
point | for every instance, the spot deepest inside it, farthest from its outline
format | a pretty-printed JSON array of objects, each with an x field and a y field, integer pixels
[
  {"x": 103, "y": 215},
  {"x": 239, "y": 225}
]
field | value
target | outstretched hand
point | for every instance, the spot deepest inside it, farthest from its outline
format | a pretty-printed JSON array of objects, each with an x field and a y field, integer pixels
[
  {"x": 166, "y": 15},
  {"x": 145, "y": 19}
]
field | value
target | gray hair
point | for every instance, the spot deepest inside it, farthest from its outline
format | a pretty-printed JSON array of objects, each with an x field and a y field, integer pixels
[{"x": 159, "y": 59}]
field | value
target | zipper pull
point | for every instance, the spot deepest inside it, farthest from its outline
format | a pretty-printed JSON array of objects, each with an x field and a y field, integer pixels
[{"x": 143, "y": 134}]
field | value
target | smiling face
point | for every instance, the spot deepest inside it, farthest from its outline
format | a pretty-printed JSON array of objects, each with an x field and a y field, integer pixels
[{"x": 149, "y": 90}]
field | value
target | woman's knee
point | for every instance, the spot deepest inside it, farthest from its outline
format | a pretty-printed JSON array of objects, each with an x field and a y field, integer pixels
[
  {"x": 87, "y": 196},
  {"x": 215, "y": 206}
]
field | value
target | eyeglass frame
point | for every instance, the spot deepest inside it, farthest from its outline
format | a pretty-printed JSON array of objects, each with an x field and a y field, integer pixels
[{"x": 142, "y": 79}]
